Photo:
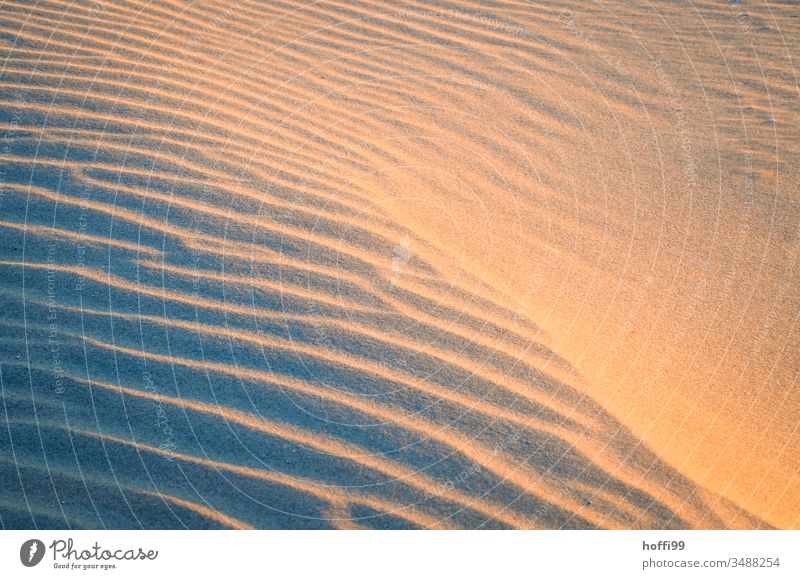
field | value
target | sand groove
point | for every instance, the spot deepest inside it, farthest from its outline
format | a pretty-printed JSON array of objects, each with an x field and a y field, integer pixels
[{"x": 378, "y": 265}]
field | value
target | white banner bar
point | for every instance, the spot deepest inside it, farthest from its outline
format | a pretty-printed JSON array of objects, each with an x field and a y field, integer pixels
[{"x": 378, "y": 554}]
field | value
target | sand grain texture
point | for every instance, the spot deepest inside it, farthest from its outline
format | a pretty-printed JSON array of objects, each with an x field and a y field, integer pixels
[{"x": 399, "y": 265}]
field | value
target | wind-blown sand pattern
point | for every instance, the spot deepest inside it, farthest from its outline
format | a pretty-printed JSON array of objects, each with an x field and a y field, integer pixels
[{"x": 399, "y": 265}]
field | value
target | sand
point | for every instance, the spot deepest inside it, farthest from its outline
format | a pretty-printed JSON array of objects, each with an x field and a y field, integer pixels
[{"x": 399, "y": 265}]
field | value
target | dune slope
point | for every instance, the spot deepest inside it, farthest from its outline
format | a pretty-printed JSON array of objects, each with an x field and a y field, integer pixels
[{"x": 399, "y": 265}]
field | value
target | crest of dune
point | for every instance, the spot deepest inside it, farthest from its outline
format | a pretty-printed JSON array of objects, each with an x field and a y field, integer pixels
[{"x": 399, "y": 265}]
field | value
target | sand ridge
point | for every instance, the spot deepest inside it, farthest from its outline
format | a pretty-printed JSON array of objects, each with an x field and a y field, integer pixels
[{"x": 378, "y": 265}]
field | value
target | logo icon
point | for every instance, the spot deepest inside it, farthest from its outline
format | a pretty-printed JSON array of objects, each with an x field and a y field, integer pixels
[{"x": 31, "y": 553}]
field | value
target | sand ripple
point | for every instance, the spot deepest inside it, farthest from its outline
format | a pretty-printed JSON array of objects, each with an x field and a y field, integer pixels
[{"x": 361, "y": 265}]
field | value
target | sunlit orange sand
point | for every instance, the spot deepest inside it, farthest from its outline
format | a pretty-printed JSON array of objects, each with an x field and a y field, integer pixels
[{"x": 378, "y": 265}]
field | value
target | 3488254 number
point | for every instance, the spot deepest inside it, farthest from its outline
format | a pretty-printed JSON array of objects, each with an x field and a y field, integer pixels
[{"x": 756, "y": 562}]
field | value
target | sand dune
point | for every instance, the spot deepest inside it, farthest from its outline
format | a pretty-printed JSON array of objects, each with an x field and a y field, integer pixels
[{"x": 378, "y": 265}]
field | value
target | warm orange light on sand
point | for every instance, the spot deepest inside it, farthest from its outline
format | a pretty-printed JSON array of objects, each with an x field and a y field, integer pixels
[{"x": 353, "y": 265}]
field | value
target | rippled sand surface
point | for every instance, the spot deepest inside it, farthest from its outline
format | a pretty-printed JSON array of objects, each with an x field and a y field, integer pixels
[{"x": 399, "y": 265}]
